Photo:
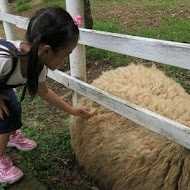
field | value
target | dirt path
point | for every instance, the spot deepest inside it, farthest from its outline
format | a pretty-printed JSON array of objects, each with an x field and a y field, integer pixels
[{"x": 135, "y": 15}]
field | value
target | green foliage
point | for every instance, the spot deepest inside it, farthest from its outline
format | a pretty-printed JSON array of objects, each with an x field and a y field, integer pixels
[
  {"x": 60, "y": 3},
  {"x": 108, "y": 27},
  {"x": 53, "y": 152},
  {"x": 181, "y": 76},
  {"x": 171, "y": 28},
  {"x": 3, "y": 186},
  {"x": 123, "y": 1},
  {"x": 21, "y": 2},
  {"x": 116, "y": 59},
  {"x": 148, "y": 3},
  {"x": 95, "y": 53},
  {"x": 159, "y": 4},
  {"x": 54, "y": 145},
  {"x": 24, "y": 7},
  {"x": 50, "y": 156},
  {"x": 175, "y": 29},
  {"x": 145, "y": 32},
  {"x": 47, "y": 1},
  {"x": 122, "y": 60}
]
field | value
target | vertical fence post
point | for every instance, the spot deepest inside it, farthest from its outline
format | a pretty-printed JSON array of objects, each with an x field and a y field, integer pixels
[
  {"x": 77, "y": 57},
  {"x": 8, "y": 28}
]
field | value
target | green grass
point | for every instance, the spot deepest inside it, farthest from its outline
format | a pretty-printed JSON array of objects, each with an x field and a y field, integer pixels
[
  {"x": 45, "y": 161},
  {"x": 48, "y": 158},
  {"x": 95, "y": 53},
  {"x": 54, "y": 143},
  {"x": 108, "y": 27},
  {"x": 54, "y": 146},
  {"x": 181, "y": 76},
  {"x": 175, "y": 29},
  {"x": 160, "y": 4},
  {"x": 146, "y": 3},
  {"x": 116, "y": 59},
  {"x": 21, "y": 2},
  {"x": 60, "y": 3},
  {"x": 3, "y": 186},
  {"x": 122, "y": 60},
  {"x": 24, "y": 7},
  {"x": 172, "y": 29}
]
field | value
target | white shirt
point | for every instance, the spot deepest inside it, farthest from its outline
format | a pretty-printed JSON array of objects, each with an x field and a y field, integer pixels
[{"x": 6, "y": 65}]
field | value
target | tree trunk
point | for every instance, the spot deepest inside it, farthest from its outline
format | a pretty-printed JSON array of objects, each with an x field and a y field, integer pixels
[{"x": 88, "y": 15}]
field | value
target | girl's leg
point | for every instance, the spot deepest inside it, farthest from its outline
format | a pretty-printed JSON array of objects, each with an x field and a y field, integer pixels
[
  {"x": 13, "y": 123},
  {"x": 4, "y": 138},
  {"x": 18, "y": 140},
  {"x": 8, "y": 172}
]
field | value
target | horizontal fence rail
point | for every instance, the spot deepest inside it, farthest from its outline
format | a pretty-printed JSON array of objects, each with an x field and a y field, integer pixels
[
  {"x": 172, "y": 53},
  {"x": 166, "y": 52},
  {"x": 155, "y": 122},
  {"x": 18, "y": 21}
]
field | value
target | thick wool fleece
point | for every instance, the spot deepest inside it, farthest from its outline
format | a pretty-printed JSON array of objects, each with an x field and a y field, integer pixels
[{"x": 122, "y": 155}]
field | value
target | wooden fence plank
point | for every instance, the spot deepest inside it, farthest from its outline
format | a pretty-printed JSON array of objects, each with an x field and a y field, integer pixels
[
  {"x": 155, "y": 122},
  {"x": 166, "y": 52},
  {"x": 18, "y": 21},
  {"x": 170, "y": 53}
]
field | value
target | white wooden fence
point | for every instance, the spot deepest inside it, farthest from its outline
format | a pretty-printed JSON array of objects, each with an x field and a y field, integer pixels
[{"x": 166, "y": 52}]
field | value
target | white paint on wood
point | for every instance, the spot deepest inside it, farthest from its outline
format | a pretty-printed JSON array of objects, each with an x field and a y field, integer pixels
[
  {"x": 171, "y": 53},
  {"x": 155, "y": 122},
  {"x": 18, "y": 21},
  {"x": 7, "y": 26},
  {"x": 77, "y": 57},
  {"x": 167, "y": 52},
  {"x": 75, "y": 8}
]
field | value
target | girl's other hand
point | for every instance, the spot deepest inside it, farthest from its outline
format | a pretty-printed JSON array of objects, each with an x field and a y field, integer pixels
[
  {"x": 81, "y": 111},
  {"x": 3, "y": 108}
]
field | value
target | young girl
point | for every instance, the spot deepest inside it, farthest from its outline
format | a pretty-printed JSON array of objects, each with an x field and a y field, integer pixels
[{"x": 51, "y": 36}]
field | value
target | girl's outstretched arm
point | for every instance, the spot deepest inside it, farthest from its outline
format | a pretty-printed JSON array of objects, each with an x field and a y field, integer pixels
[{"x": 51, "y": 97}]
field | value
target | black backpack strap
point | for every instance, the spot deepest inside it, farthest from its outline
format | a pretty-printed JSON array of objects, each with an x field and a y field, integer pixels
[
  {"x": 6, "y": 78},
  {"x": 10, "y": 46},
  {"x": 12, "y": 51}
]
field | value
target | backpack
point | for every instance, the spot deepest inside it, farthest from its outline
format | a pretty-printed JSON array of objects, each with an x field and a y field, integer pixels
[{"x": 12, "y": 50}]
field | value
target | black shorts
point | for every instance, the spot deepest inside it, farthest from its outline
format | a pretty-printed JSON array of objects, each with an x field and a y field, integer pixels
[{"x": 13, "y": 121}]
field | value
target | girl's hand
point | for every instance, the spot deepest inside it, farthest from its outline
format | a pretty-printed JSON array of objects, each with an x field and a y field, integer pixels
[
  {"x": 3, "y": 108},
  {"x": 81, "y": 111}
]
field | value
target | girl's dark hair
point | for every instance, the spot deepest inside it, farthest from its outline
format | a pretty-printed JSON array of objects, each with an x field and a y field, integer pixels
[{"x": 52, "y": 26}]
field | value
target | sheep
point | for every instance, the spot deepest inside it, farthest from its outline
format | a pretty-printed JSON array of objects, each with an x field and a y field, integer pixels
[{"x": 122, "y": 155}]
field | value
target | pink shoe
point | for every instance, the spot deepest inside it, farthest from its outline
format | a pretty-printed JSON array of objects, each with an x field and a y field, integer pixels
[
  {"x": 8, "y": 172},
  {"x": 19, "y": 141}
]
